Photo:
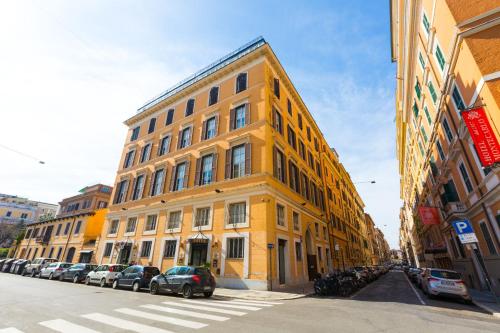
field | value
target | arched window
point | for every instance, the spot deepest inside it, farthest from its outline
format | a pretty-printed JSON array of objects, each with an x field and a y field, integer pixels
[
  {"x": 241, "y": 82},
  {"x": 70, "y": 255},
  {"x": 213, "y": 96}
]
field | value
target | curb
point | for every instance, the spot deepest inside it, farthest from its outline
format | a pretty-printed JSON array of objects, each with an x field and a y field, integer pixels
[
  {"x": 257, "y": 298},
  {"x": 487, "y": 309}
]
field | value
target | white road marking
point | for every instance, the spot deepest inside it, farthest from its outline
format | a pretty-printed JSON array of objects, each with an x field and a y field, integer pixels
[
  {"x": 185, "y": 312},
  {"x": 124, "y": 324},
  {"x": 255, "y": 302},
  {"x": 414, "y": 290},
  {"x": 10, "y": 330},
  {"x": 243, "y": 303},
  {"x": 161, "y": 318},
  {"x": 64, "y": 326},
  {"x": 240, "y": 307},
  {"x": 206, "y": 308}
]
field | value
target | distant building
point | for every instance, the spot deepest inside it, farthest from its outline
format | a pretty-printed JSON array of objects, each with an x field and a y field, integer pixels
[{"x": 14, "y": 209}]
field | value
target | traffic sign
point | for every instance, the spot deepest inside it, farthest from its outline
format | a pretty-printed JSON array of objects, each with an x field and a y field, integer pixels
[
  {"x": 270, "y": 245},
  {"x": 464, "y": 231}
]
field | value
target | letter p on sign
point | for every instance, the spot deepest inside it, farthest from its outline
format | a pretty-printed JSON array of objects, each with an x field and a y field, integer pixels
[{"x": 462, "y": 227}]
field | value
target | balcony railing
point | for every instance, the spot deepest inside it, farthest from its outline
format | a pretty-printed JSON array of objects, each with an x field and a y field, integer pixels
[{"x": 454, "y": 208}]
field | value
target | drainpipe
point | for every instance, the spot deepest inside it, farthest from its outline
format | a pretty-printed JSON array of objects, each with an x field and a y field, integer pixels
[{"x": 69, "y": 236}]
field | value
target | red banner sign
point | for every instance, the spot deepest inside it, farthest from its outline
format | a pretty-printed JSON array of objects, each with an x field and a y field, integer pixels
[
  {"x": 429, "y": 215},
  {"x": 482, "y": 134}
]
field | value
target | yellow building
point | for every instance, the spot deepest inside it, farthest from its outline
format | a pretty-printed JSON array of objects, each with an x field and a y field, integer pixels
[
  {"x": 228, "y": 169},
  {"x": 73, "y": 235},
  {"x": 447, "y": 55}
]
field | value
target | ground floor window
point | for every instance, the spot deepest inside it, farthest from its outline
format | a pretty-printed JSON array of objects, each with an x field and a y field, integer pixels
[
  {"x": 170, "y": 246},
  {"x": 146, "y": 248},
  {"x": 235, "y": 248}
]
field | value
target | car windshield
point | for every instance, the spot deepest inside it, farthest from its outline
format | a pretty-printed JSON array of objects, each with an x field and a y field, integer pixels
[
  {"x": 201, "y": 271},
  {"x": 445, "y": 275}
]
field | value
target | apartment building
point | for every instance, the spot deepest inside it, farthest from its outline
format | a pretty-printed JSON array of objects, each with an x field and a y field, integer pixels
[
  {"x": 447, "y": 63},
  {"x": 73, "y": 235},
  {"x": 14, "y": 209}
]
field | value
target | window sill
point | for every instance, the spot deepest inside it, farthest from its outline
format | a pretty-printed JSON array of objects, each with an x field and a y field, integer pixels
[
  {"x": 149, "y": 232},
  {"x": 172, "y": 231},
  {"x": 203, "y": 228},
  {"x": 127, "y": 234},
  {"x": 237, "y": 225},
  {"x": 111, "y": 235}
]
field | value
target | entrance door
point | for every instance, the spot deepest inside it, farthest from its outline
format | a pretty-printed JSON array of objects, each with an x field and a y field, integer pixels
[
  {"x": 312, "y": 267},
  {"x": 281, "y": 258},
  {"x": 124, "y": 254},
  {"x": 198, "y": 254}
]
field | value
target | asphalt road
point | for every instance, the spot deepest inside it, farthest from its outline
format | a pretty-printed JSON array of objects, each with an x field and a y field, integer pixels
[{"x": 387, "y": 305}]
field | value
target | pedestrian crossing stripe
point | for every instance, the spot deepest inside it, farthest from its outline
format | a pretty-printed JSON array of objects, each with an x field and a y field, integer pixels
[
  {"x": 242, "y": 300},
  {"x": 206, "y": 308},
  {"x": 244, "y": 303},
  {"x": 161, "y": 318},
  {"x": 10, "y": 330},
  {"x": 215, "y": 303},
  {"x": 124, "y": 324},
  {"x": 64, "y": 326},
  {"x": 185, "y": 312}
]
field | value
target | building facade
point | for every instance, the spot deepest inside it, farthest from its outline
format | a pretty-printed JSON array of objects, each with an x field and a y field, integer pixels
[
  {"x": 73, "y": 235},
  {"x": 228, "y": 169},
  {"x": 447, "y": 62},
  {"x": 14, "y": 210}
]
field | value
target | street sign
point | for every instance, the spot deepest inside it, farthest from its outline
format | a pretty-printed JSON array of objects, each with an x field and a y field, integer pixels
[
  {"x": 270, "y": 245},
  {"x": 337, "y": 247},
  {"x": 464, "y": 231}
]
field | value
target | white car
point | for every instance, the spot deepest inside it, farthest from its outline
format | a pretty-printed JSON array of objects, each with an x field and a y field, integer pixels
[
  {"x": 104, "y": 275},
  {"x": 53, "y": 270},
  {"x": 443, "y": 282}
]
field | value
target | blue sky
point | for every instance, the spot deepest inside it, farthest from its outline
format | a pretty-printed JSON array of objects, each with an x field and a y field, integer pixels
[{"x": 73, "y": 71}]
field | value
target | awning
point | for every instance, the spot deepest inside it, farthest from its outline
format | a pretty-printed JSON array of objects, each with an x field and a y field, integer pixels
[{"x": 86, "y": 251}]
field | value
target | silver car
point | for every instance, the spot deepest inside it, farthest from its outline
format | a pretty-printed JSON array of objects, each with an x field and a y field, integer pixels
[
  {"x": 104, "y": 275},
  {"x": 53, "y": 270},
  {"x": 36, "y": 265},
  {"x": 443, "y": 282}
]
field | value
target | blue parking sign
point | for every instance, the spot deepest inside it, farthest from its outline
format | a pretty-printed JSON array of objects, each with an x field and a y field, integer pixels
[{"x": 462, "y": 227}]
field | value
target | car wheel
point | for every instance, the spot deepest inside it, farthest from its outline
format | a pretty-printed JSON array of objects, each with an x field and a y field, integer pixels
[
  {"x": 51, "y": 276},
  {"x": 208, "y": 294},
  {"x": 115, "y": 284},
  {"x": 75, "y": 279},
  {"x": 102, "y": 284},
  {"x": 136, "y": 287},
  {"x": 61, "y": 277},
  {"x": 40, "y": 275},
  {"x": 153, "y": 289},
  {"x": 187, "y": 291},
  {"x": 87, "y": 281}
]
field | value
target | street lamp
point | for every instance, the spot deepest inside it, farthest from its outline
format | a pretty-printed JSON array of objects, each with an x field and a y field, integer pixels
[{"x": 366, "y": 181}]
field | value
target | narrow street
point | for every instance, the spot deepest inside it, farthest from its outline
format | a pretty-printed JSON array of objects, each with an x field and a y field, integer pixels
[{"x": 388, "y": 304}]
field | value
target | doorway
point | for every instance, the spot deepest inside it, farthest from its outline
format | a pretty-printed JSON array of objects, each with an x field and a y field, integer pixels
[
  {"x": 281, "y": 261},
  {"x": 198, "y": 255},
  {"x": 70, "y": 255},
  {"x": 123, "y": 257},
  {"x": 312, "y": 264}
]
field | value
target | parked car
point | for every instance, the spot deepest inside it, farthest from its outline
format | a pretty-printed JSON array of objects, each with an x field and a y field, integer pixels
[
  {"x": 420, "y": 277},
  {"x": 2, "y": 262},
  {"x": 7, "y": 265},
  {"x": 77, "y": 272},
  {"x": 104, "y": 275},
  {"x": 36, "y": 265},
  {"x": 13, "y": 265},
  {"x": 53, "y": 270},
  {"x": 187, "y": 280},
  {"x": 413, "y": 274},
  {"x": 443, "y": 282},
  {"x": 19, "y": 266},
  {"x": 135, "y": 277}
]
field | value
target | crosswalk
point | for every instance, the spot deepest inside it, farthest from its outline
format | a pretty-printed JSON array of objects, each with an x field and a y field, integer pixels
[{"x": 166, "y": 316}]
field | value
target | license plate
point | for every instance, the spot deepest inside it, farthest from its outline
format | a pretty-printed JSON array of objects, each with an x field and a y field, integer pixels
[
  {"x": 448, "y": 283},
  {"x": 207, "y": 288}
]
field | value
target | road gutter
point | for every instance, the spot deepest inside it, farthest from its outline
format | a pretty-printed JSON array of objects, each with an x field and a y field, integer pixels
[{"x": 414, "y": 290}]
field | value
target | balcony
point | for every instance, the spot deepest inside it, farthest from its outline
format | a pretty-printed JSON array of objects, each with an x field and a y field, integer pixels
[{"x": 454, "y": 208}]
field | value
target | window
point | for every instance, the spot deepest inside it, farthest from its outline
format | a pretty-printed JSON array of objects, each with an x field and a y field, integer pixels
[
  {"x": 8, "y": 214},
  {"x": 421, "y": 148},
  {"x": 28, "y": 234},
  {"x": 278, "y": 121},
  {"x": 465, "y": 177},
  {"x": 185, "y": 138},
  {"x": 277, "y": 88},
  {"x": 316, "y": 146},
  {"x": 138, "y": 187},
  {"x": 174, "y": 220},
  {"x": 440, "y": 150},
  {"x": 146, "y": 153},
  {"x": 299, "y": 120},
  {"x": 152, "y": 124},
  {"x": 241, "y": 82},
  {"x": 121, "y": 191},
  {"x": 421, "y": 60},
  {"x": 107, "y": 250},
  {"x": 189, "y": 107},
  {"x": 280, "y": 215},
  {"x": 158, "y": 182},
  {"x": 305, "y": 186},
  {"x": 318, "y": 169},
  {"x": 418, "y": 89},
  {"x": 487, "y": 238},
  {"x": 314, "y": 194},
  {"x": 202, "y": 217},
  {"x": 180, "y": 179},
  {"x": 289, "y": 106},
  {"x": 239, "y": 116},
  {"x": 308, "y": 130},
  {"x": 427, "y": 115},
  {"x": 296, "y": 222},
  {"x": 424, "y": 135},
  {"x": 238, "y": 161},
  {"x": 58, "y": 231},
  {"x": 235, "y": 248},
  {"x": 320, "y": 254},
  {"x": 311, "y": 160},
  {"x": 294, "y": 176},
  {"x": 129, "y": 159},
  {"x": 213, "y": 96},
  {"x": 302, "y": 150},
  {"x": 164, "y": 146},
  {"x": 170, "y": 117},
  {"x": 432, "y": 91},
  {"x": 292, "y": 140},
  {"x": 150, "y": 223},
  {"x": 66, "y": 229},
  {"x": 78, "y": 226},
  {"x": 237, "y": 213},
  {"x": 113, "y": 227},
  {"x": 210, "y": 128},
  {"x": 146, "y": 248},
  {"x": 457, "y": 99},
  {"x": 447, "y": 130},
  {"x": 298, "y": 251},
  {"x": 135, "y": 133},
  {"x": 131, "y": 224},
  {"x": 279, "y": 165},
  {"x": 415, "y": 110},
  {"x": 59, "y": 252},
  {"x": 207, "y": 170},
  {"x": 426, "y": 24},
  {"x": 324, "y": 233},
  {"x": 170, "y": 246},
  {"x": 440, "y": 57}
]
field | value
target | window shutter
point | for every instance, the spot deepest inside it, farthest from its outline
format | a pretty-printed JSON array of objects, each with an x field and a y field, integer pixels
[
  {"x": 273, "y": 118},
  {"x": 158, "y": 153},
  {"x": 164, "y": 180},
  {"x": 153, "y": 176},
  {"x": 290, "y": 174},
  {"x": 275, "y": 162},
  {"x": 214, "y": 167},
  {"x": 203, "y": 130},
  {"x": 216, "y": 125},
  {"x": 172, "y": 178},
  {"x": 231, "y": 119},
  {"x": 169, "y": 141},
  {"x": 125, "y": 190},
  {"x": 248, "y": 159},
  {"x": 228, "y": 163},
  {"x": 284, "y": 169},
  {"x": 141, "y": 195},
  {"x": 297, "y": 181},
  {"x": 198, "y": 172},
  {"x": 247, "y": 113},
  {"x": 186, "y": 175},
  {"x": 190, "y": 139},
  {"x": 179, "y": 139}
]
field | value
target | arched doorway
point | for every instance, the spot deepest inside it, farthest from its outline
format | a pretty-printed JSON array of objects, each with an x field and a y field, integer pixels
[
  {"x": 312, "y": 265},
  {"x": 70, "y": 255}
]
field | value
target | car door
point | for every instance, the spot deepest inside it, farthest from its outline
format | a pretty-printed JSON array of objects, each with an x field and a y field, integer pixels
[
  {"x": 180, "y": 278},
  {"x": 126, "y": 277},
  {"x": 166, "y": 280},
  {"x": 100, "y": 272}
]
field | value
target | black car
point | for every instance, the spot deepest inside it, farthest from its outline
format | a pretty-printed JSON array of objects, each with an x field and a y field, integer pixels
[
  {"x": 7, "y": 265},
  {"x": 2, "y": 261},
  {"x": 188, "y": 280},
  {"x": 19, "y": 266},
  {"x": 135, "y": 277},
  {"x": 77, "y": 272}
]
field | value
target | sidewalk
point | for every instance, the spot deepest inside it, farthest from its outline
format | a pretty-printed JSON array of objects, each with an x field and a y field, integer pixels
[
  {"x": 263, "y": 295},
  {"x": 485, "y": 301}
]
